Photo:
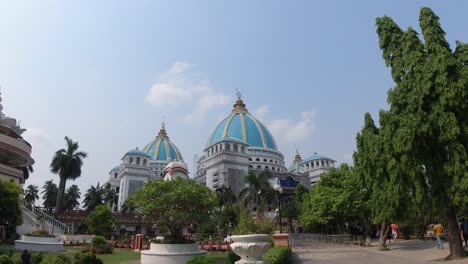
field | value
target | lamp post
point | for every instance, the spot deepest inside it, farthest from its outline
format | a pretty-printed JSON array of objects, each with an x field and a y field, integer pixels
[
  {"x": 139, "y": 217},
  {"x": 113, "y": 227},
  {"x": 279, "y": 192}
]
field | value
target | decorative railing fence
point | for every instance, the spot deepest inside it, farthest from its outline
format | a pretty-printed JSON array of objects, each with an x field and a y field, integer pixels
[{"x": 324, "y": 241}]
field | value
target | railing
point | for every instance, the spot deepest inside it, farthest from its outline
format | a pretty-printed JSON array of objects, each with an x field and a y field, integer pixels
[
  {"x": 54, "y": 223},
  {"x": 324, "y": 241},
  {"x": 30, "y": 218}
]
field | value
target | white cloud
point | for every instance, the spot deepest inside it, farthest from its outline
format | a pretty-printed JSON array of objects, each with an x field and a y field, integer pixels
[
  {"x": 182, "y": 85},
  {"x": 261, "y": 111},
  {"x": 288, "y": 131}
]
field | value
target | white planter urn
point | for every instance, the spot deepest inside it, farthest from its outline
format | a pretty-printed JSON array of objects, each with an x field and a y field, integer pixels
[
  {"x": 170, "y": 253},
  {"x": 250, "y": 247}
]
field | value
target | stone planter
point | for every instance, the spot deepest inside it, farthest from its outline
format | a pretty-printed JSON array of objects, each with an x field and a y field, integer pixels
[
  {"x": 44, "y": 244},
  {"x": 250, "y": 247},
  {"x": 170, "y": 253}
]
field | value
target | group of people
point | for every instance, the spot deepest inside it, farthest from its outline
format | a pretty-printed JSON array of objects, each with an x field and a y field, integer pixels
[{"x": 439, "y": 230}]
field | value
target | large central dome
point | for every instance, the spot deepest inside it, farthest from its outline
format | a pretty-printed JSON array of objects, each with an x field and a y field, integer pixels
[{"x": 241, "y": 125}]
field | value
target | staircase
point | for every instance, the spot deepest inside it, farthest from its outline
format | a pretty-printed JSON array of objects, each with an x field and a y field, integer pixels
[{"x": 36, "y": 219}]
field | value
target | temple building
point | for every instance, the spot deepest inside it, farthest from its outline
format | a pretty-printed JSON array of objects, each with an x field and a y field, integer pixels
[
  {"x": 159, "y": 159},
  {"x": 15, "y": 152},
  {"x": 240, "y": 144}
]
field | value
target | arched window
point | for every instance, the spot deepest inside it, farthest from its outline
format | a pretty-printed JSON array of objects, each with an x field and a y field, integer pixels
[
  {"x": 271, "y": 161},
  {"x": 138, "y": 161},
  {"x": 236, "y": 148},
  {"x": 115, "y": 175},
  {"x": 131, "y": 160},
  {"x": 250, "y": 167},
  {"x": 266, "y": 168},
  {"x": 259, "y": 167},
  {"x": 264, "y": 160},
  {"x": 257, "y": 159},
  {"x": 250, "y": 159},
  {"x": 144, "y": 162}
]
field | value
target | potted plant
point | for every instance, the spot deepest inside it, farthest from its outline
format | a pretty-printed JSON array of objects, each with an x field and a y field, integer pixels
[
  {"x": 251, "y": 237},
  {"x": 176, "y": 205}
]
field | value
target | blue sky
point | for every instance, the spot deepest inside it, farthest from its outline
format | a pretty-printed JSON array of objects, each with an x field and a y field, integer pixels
[{"x": 105, "y": 72}]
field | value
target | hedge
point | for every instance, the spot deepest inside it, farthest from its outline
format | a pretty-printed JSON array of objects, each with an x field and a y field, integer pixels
[{"x": 278, "y": 255}]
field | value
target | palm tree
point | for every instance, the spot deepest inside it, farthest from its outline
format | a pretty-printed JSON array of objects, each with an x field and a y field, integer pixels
[
  {"x": 26, "y": 171},
  {"x": 109, "y": 196},
  {"x": 259, "y": 191},
  {"x": 49, "y": 195},
  {"x": 93, "y": 197},
  {"x": 225, "y": 196},
  {"x": 72, "y": 195},
  {"x": 31, "y": 195},
  {"x": 67, "y": 163}
]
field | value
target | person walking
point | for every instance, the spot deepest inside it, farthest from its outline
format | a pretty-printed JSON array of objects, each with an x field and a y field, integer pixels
[
  {"x": 464, "y": 231},
  {"x": 438, "y": 231}
]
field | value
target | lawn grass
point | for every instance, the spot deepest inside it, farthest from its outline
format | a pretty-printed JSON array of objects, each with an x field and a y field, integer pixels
[{"x": 120, "y": 255}]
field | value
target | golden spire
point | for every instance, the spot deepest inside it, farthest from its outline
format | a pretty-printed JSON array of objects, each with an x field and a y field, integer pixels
[
  {"x": 162, "y": 131},
  {"x": 239, "y": 103}
]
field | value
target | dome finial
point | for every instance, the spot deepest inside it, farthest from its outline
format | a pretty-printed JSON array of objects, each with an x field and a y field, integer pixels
[
  {"x": 162, "y": 131},
  {"x": 239, "y": 103},
  {"x": 298, "y": 156}
]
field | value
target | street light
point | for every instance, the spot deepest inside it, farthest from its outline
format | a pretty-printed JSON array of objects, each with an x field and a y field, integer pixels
[
  {"x": 279, "y": 192},
  {"x": 114, "y": 228}
]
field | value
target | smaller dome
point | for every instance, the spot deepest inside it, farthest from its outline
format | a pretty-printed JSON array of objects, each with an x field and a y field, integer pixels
[
  {"x": 116, "y": 168},
  {"x": 294, "y": 167},
  {"x": 317, "y": 157},
  {"x": 138, "y": 153},
  {"x": 176, "y": 165}
]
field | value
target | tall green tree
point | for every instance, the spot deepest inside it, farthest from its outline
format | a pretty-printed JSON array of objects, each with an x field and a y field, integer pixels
[
  {"x": 225, "y": 196},
  {"x": 49, "y": 195},
  {"x": 259, "y": 192},
  {"x": 67, "y": 164},
  {"x": 31, "y": 194},
  {"x": 335, "y": 200},
  {"x": 427, "y": 123},
  {"x": 72, "y": 197},
  {"x": 109, "y": 196},
  {"x": 10, "y": 211},
  {"x": 175, "y": 204},
  {"x": 100, "y": 221},
  {"x": 292, "y": 209},
  {"x": 93, "y": 197}
]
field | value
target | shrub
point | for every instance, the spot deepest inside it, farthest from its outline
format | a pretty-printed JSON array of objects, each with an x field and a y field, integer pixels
[
  {"x": 247, "y": 225},
  {"x": 37, "y": 257},
  {"x": 100, "y": 245},
  {"x": 4, "y": 259},
  {"x": 6, "y": 252},
  {"x": 39, "y": 233},
  {"x": 100, "y": 220},
  {"x": 98, "y": 241},
  {"x": 62, "y": 259},
  {"x": 232, "y": 257},
  {"x": 278, "y": 255},
  {"x": 86, "y": 258},
  {"x": 202, "y": 260}
]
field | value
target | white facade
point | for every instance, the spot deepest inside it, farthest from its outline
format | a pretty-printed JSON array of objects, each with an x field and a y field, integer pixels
[{"x": 140, "y": 166}]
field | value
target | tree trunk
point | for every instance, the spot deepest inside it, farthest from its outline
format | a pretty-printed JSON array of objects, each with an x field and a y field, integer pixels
[
  {"x": 455, "y": 243},
  {"x": 60, "y": 193},
  {"x": 384, "y": 233}
]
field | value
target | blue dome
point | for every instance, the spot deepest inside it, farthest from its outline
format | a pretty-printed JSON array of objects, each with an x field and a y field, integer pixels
[
  {"x": 242, "y": 126},
  {"x": 161, "y": 148},
  {"x": 138, "y": 152},
  {"x": 316, "y": 157},
  {"x": 116, "y": 168}
]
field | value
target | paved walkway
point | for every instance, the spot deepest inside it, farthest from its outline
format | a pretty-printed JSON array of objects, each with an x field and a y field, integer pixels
[{"x": 410, "y": 251}]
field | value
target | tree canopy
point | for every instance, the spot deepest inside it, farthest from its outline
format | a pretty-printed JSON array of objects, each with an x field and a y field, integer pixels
[
  {"x": 67, "y": 163},
  {"x": 10, "y": 211},
  {"x": 175, "y": 204},
  {"x": 100, "y": 221},
  {"x": 419, "y": 153}
]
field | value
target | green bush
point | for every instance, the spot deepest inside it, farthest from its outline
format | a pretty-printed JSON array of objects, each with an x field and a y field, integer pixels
[
  {"x": 202, "y": 260},
  {"x": 37, "y": 257},
  {"x": 6, "y": 252},
  {"x": 247, "y": 225},
  {"x": 26, "y": 257},
  {"x": 86, "y": 258},
  {"x": 99, "y": 245},
  {"x": 232, "y": 257},
  {"x": 39, "y": 233},
  {"x": 4, "y": 259},
  {"x": 278, "y": 255},
  {"x": 62, "y": 259}
]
